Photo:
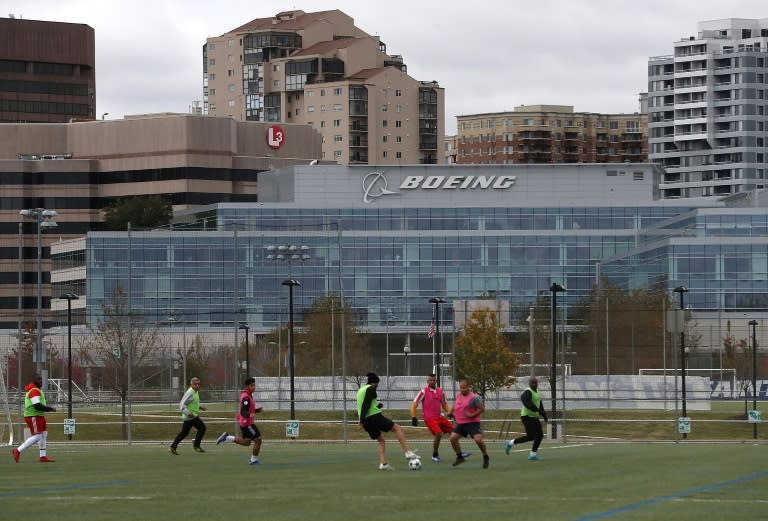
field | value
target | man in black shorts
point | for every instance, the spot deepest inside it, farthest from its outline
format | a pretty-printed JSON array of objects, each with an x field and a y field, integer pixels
[
  {"x": 467, "y": 411},
  {"x": 375, "y": 423},
  {"x": 246, "y": 417}
]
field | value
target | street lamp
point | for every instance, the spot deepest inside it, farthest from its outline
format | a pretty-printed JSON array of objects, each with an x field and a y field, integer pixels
[
  {"x": 69, "y": 297},
  {"x": 439, "y": 344},
  {"x": 291, "y": 283},
  {"x": 555, "y": 288},
  {"x": 43, "y": 218},
  {"x": 247, "y": 357},
  {"x": 753, "y": 323},
  {"x": 406, "y": 352},
  {"x": 390, "y": 316},
  {"x": 682, "y": 290}
]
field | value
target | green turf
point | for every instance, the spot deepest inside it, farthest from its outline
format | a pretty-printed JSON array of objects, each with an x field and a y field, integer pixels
[{"x": 302, "y": 481}]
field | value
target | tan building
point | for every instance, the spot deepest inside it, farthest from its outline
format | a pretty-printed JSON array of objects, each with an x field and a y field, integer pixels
[
  {"x": 552, "y": 134},
  {"x": 76, "y": 169},
  {"x": 319, "y": 69},
  {"x": 450, "y": 149}
]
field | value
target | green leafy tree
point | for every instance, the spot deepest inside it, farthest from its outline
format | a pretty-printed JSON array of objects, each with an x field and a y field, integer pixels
[
  {"x": 148, "y": 211},
  {"x": 483, "y": 354}
]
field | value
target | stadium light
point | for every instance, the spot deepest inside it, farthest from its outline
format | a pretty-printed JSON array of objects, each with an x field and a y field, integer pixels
[
  {"x": 555, "y": 289},
  {"x": 753, "y": 323},
  {"x": 69, "y": 297},
  {"x": 439, "y": 343},
  {"x": 291, "y": 283},
  {"x": 247, "y": 357},
  {"x": 44, "y": 221},
  {"x": 682, "y": 290}
]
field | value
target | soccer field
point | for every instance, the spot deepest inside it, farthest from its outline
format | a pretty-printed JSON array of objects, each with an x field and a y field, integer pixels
[{"x": 333, "y": 481}]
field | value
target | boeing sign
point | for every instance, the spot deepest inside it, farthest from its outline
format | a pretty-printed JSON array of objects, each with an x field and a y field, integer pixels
[{"x": 375, "y": 184}]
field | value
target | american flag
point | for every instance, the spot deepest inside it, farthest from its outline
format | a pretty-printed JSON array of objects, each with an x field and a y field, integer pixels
[{"x": 432, "y": 330}]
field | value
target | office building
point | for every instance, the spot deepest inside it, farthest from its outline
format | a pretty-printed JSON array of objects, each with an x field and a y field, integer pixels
[
  {"x": 320, "y": 69},
  {"x": 707, "y": 110},
  {"x": 551, "y": 134},
  {"x": 78, "y": 169},
  {"x": 47, "y": 71}
]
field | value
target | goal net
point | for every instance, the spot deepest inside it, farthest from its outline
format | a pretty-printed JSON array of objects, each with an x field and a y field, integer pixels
[{"x": 722, "y": 381}]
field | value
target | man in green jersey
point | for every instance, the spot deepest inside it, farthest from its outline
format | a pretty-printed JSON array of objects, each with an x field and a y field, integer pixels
[
  {"x": 375, "y": 423},
  {"x": 35, "y": 407},
  {"x": 530, "y": 412},
  {"x": 190, "y": 410}
]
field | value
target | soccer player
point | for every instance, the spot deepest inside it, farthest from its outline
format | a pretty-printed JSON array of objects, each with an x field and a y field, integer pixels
[
  {"x": 467, "y": 410},
  {"x": 190, "y": 411},
  {"x": 530, "y": 412},
  {"x": 34, "y": 415},
  {"x": 375, "y": 423},
  {"x": 246, "y": 417},
  {"x": 433, "y": 404}
]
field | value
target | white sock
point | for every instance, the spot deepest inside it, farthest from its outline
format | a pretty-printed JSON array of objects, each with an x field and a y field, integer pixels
[
  {"x": 43, "y": 444},
  {"x": 533, "y": 453},
  {"x": 254, "y": 458},
  {"x": 230, "y": 438},
  {"x": 29, "y": 442},
  {"x": 511, "y": 442}
]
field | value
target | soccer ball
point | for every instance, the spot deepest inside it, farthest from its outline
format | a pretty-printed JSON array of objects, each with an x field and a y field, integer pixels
[{"x": 414, "y": 464}]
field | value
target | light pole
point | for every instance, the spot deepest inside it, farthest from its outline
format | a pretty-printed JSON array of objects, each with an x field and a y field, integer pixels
[
  {"x": 437, "y": 301},
  {"x": 291, "y": 283},
  {"x": 69, "y": 297},
  {"x": 406, "y": 352},
  {"x": 555, "y": 288},
  {"x": 753, "y": 323},
  {"x": 389, "y": 318},
  {"x": 682, "y": 290},
  {"x": 43, "y": 218},
  {"x": 247, "y": 357}
]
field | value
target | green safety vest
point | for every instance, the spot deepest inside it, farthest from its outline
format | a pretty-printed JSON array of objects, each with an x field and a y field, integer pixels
[
  {"x": 29, "y": 407},
  {"x": 374, "y": 407},
  {"x": 194, "y": 405},
  {"x": 536, "y": 398}
]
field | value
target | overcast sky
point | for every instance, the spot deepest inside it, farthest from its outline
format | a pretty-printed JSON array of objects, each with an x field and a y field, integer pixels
[{"x": 489, "y": 55}]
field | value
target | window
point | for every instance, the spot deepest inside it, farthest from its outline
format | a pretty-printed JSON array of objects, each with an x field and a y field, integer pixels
[
  {"x": 311, "y": 108},
  {"x": 212, "y": 76},
  {"x": 297, "y": 112},
  {"x": 336, "y": 154},
  {"x": 398, "y": 123},
  {"x": 398, "y": 92},
  {"x": 322, "y": 108},
  {"x": 211, "y": 46},
  {"x": 384, "y": 139},
  {"x": 337, "y": 138},
  {"x": 398, "y": 155},
  {"x": 398, "y": 139},
  {"x": 276, "y": 83},
  {"x": 336, "y": 122},
  {"x": 230, "y": 42},
  {"x": 398, "y": 108},
  {"x": 311, "y": 93},
  {"x": 383, "y": 122},
  {"x": 230, "y": 72},
  {"x": 337, "y": 91},
  {"x": 212, "y": 61},
  {"x": 212, "y": 92},
  {"x": 614, "y": 125},
  {"x": 384, "y": 154},
  {"x": 384, "y": 108},
  {"x": 322, "y": 124},
  {"x": 276, "y": 67},
  {"x": 231, "y": 103},
  {"x": 527, "y": 122},
  {"x": 322, "y": 92},
  {"x": 231, "y": 87},
  {"x": 230, "y": 58},
  {"x": 384, "y": 92},
  {"x": 336, "y": 107}
]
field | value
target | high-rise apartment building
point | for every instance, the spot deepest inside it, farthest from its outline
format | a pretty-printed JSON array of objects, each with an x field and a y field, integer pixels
[
  {"x": 47, "y": 71},
  {"x": 552, "y": 134},
  {"x": 707, "y": 110},
  {"x": 320, "y": 69}
]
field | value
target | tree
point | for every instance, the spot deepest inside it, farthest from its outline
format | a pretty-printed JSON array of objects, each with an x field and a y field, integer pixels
[
  {"x": 149, "y": 211},
  {"x": 108, "y": 346},
  {"x": 482, "y": 354},
  {"x": 737, "y": 356}
]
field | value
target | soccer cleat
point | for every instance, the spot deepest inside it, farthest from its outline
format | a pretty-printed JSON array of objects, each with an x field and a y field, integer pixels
[
  {"x": 533, "y": 457},
  {"x": 508, "y": 446},
  {"x": 254, "y": 462},
  {"x": 459, "y": 461},
  {"x": 436, "y": 459},
  {"x": 486, "y": 461},
  {"x": 172, "y": 450},
  {"x": 199, "y": 449},
  {"x": 46, "y": 459},
  {"x": 411, "y": 455},
  {"x": 16, "y": 455},
  {"x": 386, "y": 466},
  {"x": 465, "y": 454},
  {"x": 221, "y": 439}
]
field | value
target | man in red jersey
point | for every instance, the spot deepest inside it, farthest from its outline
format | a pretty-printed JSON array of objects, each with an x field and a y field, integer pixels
[
  {"x": 34, "y": 414},
  {"x": 433, "y": 404},
  {"x": 246, "y": 417}
]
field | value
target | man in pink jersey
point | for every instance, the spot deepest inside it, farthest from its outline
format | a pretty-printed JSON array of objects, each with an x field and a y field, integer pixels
[
  {"x": 467, "y": 410},
  {"x": 246, "y": 417},
  {"x": 433, "y": 404}
]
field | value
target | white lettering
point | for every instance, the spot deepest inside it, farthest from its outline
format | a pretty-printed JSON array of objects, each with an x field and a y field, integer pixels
[
  {"x": 453, "y": 181},
  {"x": 504, "y": 181},
  {"x": 467, "y": 181},
  {"x": 411, "y": 182},
  {"x": 483, "y": 182},
  {"x": 432, "y": 182}
]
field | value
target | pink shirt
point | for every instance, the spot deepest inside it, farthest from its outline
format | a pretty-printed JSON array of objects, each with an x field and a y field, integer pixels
[
  {"x": 465, "y": 404},
  {"x": 431, "y": 402},
  {"x": 247, "y": 402}
]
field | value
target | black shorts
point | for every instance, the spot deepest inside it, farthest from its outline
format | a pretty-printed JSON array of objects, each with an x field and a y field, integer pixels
[
  {"x": 468, "y": 429},
  {"x": 251, "y": 432},
  {"x": 376, "y": 424}
]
